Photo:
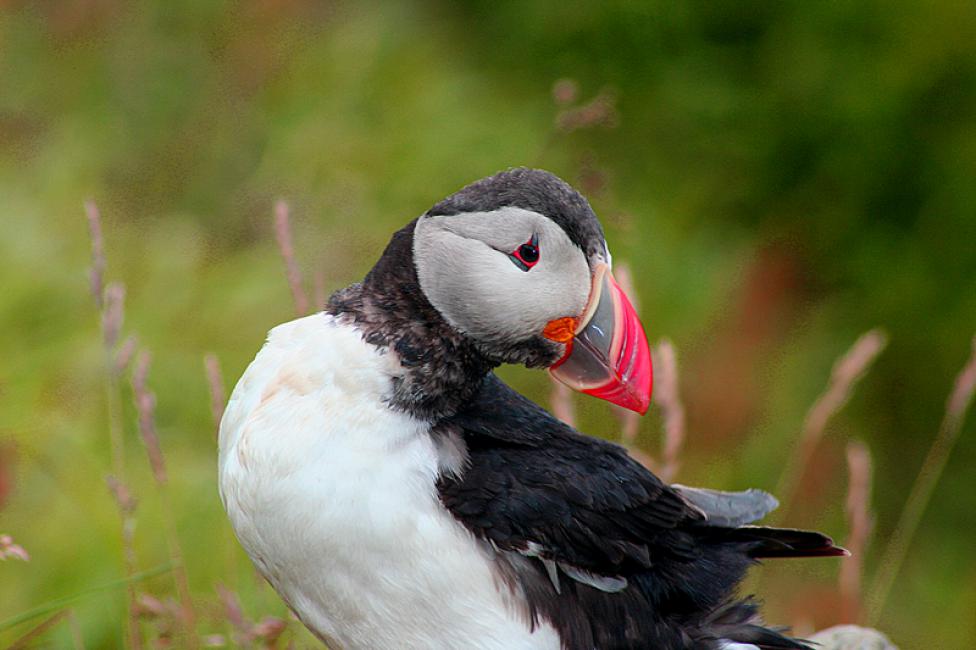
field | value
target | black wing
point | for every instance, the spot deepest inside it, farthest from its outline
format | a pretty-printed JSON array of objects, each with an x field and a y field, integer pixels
[
  {"x": 640, "y": 562},
  {"x": 533, "y": 484}
]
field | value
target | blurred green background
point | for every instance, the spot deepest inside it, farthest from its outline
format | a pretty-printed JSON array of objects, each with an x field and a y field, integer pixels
[{"x": 781, "y": 177}]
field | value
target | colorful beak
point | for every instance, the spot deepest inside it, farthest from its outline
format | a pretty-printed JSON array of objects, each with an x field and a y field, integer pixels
[{"x": 608, "y": 356}]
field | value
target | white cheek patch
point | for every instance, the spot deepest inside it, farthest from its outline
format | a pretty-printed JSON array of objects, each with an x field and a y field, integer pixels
[{"x": 464, "y": 270}]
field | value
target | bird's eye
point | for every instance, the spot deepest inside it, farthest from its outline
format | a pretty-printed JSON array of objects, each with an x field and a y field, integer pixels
[{"x": 527, "y": 255}]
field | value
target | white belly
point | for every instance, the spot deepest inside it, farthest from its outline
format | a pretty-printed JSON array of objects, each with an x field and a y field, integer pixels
[{"x": 333, "y": 496}]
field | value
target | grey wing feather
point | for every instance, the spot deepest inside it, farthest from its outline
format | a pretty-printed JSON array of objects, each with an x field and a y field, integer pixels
[{"x": 729, "y": 509}]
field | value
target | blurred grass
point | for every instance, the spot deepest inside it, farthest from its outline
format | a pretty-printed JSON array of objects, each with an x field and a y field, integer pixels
[{"x": 782, "y": 177}]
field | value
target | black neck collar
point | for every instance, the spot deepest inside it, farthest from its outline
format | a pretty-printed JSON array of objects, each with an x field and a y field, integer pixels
[{"x": 442, "y": 368}]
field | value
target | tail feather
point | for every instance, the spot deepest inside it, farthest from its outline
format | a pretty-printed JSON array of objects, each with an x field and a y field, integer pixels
[{"x": 766, "y": 542}]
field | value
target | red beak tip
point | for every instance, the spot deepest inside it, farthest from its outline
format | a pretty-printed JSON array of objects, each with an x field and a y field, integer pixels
[
  {"x": 639, "y": 403},
  {"x": 623, "y": 396}
]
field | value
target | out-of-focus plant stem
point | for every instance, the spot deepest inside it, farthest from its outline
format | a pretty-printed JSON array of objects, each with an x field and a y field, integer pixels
[
  {"x": 146, "y": 405},
  {"x": 58, "y": 603},
  {"x": 860, "y": 524},
  {"x": 847, "y": 371},
  {"x": 957, "y": 406},
  {"x": 27, "y": 640},
  {"x": 110, "y": 304},
  {"x": 283, "y": 235},
  {"x": 215, "y": 382},
  {"x": 668, "y": 398}
]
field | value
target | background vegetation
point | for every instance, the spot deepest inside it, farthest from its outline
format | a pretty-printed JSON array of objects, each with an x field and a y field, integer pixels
[{"x": 780, "y": 176}]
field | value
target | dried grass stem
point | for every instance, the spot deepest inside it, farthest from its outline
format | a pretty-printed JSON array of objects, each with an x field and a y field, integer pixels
[
  {"x": 145, "y": 402},
  {"x": 847, "y": 371},
  {"x": 97, "y": 271},
  {"x": 928, "y": 476},
  {"x": 215, "y": 381},
  {"x": 561, "y": 399},
  {"x": 860, "y": 523},
  {"x": 110, "y": 303},
  {"x": 284, "y": 237},
  {"x": 668, "y": 398}
]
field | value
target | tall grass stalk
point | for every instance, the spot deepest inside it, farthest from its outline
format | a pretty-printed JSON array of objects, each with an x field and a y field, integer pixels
[
  {"x": 59, "y": 603},
  {"x": 957, "y": 406},
  {"x": 847, "y": 371},
  {"x": 860, "y": 523},
  {"x": 561, "y": 401},
  {"x": 109, "y": 301},
  {"x": 215, "y": 382},
  {"x": 145, "y": 402},
  {"x": 319, "y": 290},
  {"x": 77, "y": 640},
  {"x": 668, "y": 397},
  {"x": 294, "y": 275},
  {"x": 27, "y": 640}
]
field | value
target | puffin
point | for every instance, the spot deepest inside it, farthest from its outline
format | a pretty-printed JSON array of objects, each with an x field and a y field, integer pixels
[{"x": 398, "y": 495}]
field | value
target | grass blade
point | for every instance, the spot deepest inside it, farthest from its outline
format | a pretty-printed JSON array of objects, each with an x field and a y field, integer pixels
[{"x": 56, "y": 604}]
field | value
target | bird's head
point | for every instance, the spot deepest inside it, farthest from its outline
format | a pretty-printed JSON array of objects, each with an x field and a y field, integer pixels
[{"x": 518, "y": 263}]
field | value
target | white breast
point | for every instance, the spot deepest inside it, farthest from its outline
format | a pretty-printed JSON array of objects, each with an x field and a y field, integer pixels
[{"x": 332, "y": 494}]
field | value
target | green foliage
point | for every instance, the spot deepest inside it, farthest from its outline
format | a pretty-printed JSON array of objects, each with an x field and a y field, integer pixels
[{"x": 781, "y": 177}]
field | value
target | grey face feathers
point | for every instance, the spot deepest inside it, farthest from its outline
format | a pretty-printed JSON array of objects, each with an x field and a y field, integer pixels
[
  {"x": 448, "y": 299},
  {"x": 465, "y": 270},
  {"x": 468, "y": 251}
]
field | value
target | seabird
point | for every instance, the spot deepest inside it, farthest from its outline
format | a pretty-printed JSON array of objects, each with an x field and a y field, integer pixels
[{"x": 397, "y": 494}]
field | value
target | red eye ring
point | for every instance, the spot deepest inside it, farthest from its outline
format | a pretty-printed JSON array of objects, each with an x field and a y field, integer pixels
[{"x": 527, "y": 255}]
